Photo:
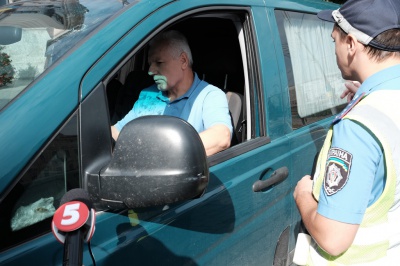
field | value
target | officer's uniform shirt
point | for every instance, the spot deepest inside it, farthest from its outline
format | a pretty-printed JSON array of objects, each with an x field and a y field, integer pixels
[{"x": 366, "y": 176}]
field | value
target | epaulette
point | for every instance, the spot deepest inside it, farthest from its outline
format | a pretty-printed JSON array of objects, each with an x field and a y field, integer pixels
[{"x": 348, "y": 108}]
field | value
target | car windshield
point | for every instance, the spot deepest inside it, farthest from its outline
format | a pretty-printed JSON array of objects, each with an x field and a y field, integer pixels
[{"x": 35, "y": 34}]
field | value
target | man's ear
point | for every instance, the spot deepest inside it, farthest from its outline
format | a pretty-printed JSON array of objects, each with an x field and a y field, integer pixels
[
  {"x": 184, "y": 60},
  {"x": 352, "y": 44}
]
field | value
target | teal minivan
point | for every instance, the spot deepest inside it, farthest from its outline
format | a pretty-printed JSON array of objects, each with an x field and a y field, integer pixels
[{"x": 71, "y": 68}]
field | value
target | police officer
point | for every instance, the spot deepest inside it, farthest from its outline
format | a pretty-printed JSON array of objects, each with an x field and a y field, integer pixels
[{"x": 351, "y": 208}]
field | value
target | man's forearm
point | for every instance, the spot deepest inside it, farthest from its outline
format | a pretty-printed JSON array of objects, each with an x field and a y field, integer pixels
[
  {"x": 332, "y": 236},
  {"x": 216, "y": 139},
  {"x": 307, "y": 207}
]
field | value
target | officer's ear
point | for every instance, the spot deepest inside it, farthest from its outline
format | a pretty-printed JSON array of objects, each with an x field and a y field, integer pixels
[{"x": 352, "y": 44}]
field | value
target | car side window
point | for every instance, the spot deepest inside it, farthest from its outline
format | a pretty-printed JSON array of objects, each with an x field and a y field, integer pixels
[
  {"x": 27, "y": 210},
  {"x": 220, "y": 63},
  {"x": 314, "y": 80}
]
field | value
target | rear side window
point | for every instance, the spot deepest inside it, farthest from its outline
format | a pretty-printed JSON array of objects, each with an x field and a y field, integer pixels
[
  {"x": 315, "y": 82},
  {"x": 27, "y": 210}
]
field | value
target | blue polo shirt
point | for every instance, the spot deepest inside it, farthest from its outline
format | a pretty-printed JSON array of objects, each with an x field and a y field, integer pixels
[
  {"x": 367, "y": 174},
  {"x": 203, "y": 106}
]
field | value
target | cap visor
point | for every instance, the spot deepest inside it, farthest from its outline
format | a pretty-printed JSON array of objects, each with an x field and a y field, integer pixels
[{"x": 326, "y": 15}]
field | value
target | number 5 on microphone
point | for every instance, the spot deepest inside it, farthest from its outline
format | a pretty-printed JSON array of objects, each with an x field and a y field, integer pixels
[{"x": 71, "y": 216}]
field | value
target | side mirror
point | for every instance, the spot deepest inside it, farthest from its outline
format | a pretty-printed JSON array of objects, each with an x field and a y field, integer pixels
[
  {"x": 10, "y": 35},
  {"x": 157, "y": 160}
]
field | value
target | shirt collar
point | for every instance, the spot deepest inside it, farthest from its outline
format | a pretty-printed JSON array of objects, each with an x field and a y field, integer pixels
[
  {"x": 196, "y": 81},
  {"x": 373, "y": 82}
]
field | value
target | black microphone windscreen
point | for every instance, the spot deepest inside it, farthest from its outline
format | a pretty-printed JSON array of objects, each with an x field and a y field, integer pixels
[{"x": 77, "y": 194}]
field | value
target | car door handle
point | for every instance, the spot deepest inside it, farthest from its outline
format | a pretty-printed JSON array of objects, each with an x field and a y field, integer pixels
[{"x": 276, "y": 177}]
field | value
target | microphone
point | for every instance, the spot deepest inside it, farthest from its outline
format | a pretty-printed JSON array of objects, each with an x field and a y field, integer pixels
[{"x": 73, "y": 223}]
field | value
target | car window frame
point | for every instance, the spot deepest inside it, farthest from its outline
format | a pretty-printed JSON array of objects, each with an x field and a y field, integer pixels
[{"x": 256, "y": 132}]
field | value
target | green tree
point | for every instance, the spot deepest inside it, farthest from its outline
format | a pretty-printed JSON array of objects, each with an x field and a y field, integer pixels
[{"x": 6, "y": 69}]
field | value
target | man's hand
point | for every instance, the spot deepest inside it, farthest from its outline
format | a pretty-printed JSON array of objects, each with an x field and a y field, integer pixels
[
  {"x": 114, "y": 133},
  {"x": 351, "y": 89},
  {"x": 332, "y": 236},
  {"x": 303, "y": 186}
]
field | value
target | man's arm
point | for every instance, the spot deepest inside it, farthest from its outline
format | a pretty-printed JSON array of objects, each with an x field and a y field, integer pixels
[
  {"x": 216, "y": 139},
  {"x": 332, "y": 236},
  {"x": 114, "y": 133}
]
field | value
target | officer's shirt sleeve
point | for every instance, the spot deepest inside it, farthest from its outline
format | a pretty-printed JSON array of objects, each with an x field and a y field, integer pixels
[{"x": 365, "y": 179}]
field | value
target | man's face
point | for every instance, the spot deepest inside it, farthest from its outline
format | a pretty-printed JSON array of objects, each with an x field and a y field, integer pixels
[
  {"x": 341, "y": 53},
  {"x": 166, "y": 70}
]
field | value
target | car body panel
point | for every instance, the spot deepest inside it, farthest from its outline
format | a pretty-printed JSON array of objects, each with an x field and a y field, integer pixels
[{"x": 230, "y": 224}]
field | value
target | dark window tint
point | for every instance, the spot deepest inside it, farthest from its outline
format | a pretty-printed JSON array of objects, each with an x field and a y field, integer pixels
[{"x": 27, "y": 210}]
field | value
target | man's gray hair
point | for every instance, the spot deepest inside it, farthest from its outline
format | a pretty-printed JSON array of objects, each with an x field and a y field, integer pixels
[{"x": 176, "y": 41}]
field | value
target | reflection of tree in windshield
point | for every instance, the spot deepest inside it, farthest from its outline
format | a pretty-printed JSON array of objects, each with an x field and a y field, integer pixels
[{"x": 6, "y": 69}]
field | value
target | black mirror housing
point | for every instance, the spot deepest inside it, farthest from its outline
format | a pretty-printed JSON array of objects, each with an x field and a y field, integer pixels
[{"x": 157, "y": 160}]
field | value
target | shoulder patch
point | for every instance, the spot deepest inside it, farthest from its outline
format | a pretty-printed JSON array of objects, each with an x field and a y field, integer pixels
[{"x": 337, "y": 170}]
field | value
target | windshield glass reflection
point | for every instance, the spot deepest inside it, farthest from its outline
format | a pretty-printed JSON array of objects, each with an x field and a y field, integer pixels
[{"x": 35, "y": 34}]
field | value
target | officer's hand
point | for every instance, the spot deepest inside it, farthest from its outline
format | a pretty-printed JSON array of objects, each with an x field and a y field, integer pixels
[
  {"x": 304, "y": 186},
  {"x": 351, "y": 89}
]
